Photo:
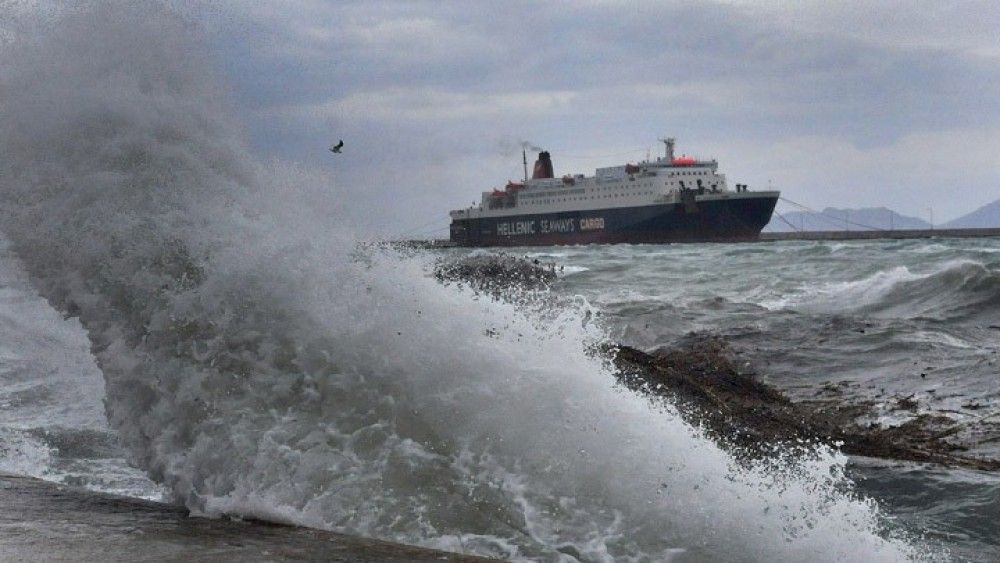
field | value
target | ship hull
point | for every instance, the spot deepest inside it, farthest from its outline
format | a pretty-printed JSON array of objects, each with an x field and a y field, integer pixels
[{"x": 716, "y": 220}]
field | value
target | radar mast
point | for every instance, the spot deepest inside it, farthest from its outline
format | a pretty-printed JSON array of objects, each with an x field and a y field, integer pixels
[{"x": 669, "y": 145}]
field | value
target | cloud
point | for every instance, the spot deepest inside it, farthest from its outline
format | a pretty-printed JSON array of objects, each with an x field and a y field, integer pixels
[
  {"x": 967, "y": 27},
  {"x": 438, "y": 86},
  {"x": 433, "y": 105},
  {"x": 952, "y": 171}
]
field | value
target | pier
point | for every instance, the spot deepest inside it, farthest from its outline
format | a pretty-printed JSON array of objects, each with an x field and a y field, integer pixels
[
  {"x": 881, "y": 234},
  {"x": 805, "y": 235}
]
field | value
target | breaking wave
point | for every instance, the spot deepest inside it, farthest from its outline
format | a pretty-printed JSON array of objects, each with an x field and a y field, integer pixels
[
  {"x": 958, "y": 290},
  {"x": 256, "y": 363}
]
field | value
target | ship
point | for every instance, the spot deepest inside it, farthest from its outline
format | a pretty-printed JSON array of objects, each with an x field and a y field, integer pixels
[{"x": 670, "y": 199}]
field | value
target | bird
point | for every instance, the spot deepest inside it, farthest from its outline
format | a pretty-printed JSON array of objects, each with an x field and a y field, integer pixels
[{"x": 336, "y": 148}]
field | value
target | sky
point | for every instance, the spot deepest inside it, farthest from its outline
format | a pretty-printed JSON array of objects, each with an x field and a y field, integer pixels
[{"x": 847, "y": 104}]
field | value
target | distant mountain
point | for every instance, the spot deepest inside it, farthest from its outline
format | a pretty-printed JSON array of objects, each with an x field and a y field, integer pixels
[
  {"x": 832, "y": 219},
  {"x": 985, "y": 217}
]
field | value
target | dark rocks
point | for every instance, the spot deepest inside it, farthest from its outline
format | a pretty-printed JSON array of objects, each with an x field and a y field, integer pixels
[
  {"x": 496, "y": 272},
  {"x": 906, "y": 403},
  {"x": 737, "y": 410},
  {"x": 750, "y": 417}
]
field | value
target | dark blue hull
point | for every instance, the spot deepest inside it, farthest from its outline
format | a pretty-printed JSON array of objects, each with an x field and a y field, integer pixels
[{"x": 735, "y": 219}]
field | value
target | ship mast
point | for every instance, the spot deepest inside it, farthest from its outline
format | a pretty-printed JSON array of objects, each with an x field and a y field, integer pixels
[
  {"x": 524, "y": 157},
  {"x": 669, "y": 145}
]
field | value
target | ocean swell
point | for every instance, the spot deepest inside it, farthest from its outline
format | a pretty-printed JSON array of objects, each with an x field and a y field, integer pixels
[
  {"x": 257, "y": 366},
  {"x": 962, "y": 290}
]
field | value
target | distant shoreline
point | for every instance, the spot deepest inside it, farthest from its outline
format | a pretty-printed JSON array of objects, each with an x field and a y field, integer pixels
[{"x": 881, "y": 234}]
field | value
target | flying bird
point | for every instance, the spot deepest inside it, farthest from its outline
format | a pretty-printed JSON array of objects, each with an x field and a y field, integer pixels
[{"x": 336, "y": 148}]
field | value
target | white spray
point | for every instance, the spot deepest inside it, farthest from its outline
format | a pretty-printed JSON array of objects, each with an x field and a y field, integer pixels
[{"x": 256, "y": 365}]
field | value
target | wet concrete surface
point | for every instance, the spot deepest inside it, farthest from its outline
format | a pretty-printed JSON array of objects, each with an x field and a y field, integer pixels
[{"x": 43, "y": 521}]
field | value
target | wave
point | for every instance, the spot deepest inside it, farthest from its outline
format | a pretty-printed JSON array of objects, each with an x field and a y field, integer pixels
[
  {"x": 276, "y": 372},
  {"x": 956, "y": 290}
]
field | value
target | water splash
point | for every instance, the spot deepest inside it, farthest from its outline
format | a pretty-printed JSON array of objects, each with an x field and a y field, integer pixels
[{"x": 256, "y": 364}]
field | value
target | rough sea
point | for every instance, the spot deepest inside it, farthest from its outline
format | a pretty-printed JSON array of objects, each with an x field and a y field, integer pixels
[{"x": 180, "y": 320}]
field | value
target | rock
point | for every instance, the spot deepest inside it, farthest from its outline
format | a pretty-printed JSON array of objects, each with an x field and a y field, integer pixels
[
  {"x": 750, "y": 418},
  {"x": 496, "y": 272}
]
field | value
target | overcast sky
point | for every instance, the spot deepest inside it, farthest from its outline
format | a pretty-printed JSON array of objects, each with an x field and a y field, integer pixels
[{"x": 848, "y": 104}]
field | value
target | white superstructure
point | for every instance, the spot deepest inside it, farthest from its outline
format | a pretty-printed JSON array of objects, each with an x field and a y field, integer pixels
[{"x": 666, "y": 180}]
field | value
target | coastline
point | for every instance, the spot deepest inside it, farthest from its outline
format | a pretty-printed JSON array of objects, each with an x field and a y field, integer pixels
[{"x": 44, "y": 521}]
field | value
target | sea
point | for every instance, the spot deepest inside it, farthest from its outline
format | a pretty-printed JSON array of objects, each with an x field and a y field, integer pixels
[{"x": 181, "y": 320}]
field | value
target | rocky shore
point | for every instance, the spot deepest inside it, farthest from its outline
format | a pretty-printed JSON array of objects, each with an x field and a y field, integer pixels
[
  {"x": 496, "y": 273},
  {"x": 740, "y": 412},
  {"x": 750, "y": 417}
]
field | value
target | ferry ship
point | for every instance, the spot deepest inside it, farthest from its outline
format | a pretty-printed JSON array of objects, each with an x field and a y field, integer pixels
[{"x": 670, "y": 199}]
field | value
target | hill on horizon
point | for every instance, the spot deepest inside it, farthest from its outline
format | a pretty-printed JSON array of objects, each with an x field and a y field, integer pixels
[
  {"x": 834, "y": 219},
  {"x": 987, "y": 216}
]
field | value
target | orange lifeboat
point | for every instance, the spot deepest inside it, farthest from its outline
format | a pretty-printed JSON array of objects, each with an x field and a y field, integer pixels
[{"x": 684, "y": 160}]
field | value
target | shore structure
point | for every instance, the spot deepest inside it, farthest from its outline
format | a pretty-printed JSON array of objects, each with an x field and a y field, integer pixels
[
  {"x": 669, "y": 199},
  {"x": 43, "y": 521},
  {"x": 875, "y": 234}
]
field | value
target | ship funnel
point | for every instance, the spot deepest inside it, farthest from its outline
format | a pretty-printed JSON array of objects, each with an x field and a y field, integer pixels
[{"x": 543, "y": 167}]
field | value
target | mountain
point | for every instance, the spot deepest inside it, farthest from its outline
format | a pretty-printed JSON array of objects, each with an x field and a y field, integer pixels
[
  {"x": 985, "y": 217},
  {"x": 832, "y": 219}
]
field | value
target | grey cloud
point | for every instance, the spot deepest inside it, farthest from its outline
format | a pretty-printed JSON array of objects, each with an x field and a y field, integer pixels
[{"x": 434, "y": 87}]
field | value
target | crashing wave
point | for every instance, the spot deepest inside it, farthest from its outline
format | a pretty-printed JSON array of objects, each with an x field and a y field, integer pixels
[{"x": 264, "y": 370}]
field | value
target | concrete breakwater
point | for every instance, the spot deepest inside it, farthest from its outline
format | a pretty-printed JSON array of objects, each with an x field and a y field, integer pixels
[
  {"x": 43, "y": 521},
  {"x": 881, "y": 234}
]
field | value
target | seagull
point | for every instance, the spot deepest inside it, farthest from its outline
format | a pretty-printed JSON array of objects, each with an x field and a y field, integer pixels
[{"x": 336, "y": 148}]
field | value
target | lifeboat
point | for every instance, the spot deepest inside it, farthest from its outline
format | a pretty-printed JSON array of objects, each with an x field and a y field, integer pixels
[
  {"x": 514, "y": 186},
  {"x": 684, "y": 160}
]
